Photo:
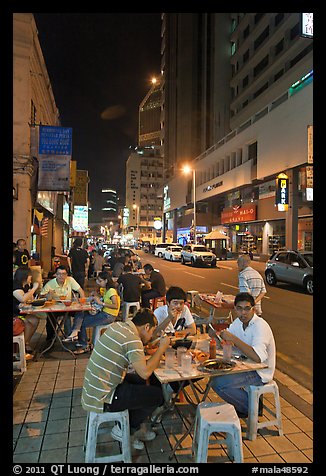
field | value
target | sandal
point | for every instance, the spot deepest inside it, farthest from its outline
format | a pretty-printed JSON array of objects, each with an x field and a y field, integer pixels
[{"x": 81, "y": 350}]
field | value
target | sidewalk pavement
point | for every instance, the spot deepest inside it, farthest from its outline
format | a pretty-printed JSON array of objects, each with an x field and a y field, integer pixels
[{"x": 49, "y": 421}]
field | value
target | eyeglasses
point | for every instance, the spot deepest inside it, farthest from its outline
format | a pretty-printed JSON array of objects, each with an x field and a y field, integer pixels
[
  {"x": 245, "y": 309},
  {"x": 62, "y": 274}
]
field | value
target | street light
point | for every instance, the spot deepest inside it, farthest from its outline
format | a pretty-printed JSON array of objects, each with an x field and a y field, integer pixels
[{"x": 187, "y": 169}]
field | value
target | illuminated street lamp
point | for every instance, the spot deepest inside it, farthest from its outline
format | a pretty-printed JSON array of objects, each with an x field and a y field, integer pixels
[{"x": 187, "y": 169}]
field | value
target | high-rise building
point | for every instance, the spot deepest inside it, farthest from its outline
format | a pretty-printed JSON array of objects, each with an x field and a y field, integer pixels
[
  {"x": 144, "y": 192},
  {"x": 237, "y": 105},
  {"x": 150, "y": 116},
  {"x": 109, "y": 208}
]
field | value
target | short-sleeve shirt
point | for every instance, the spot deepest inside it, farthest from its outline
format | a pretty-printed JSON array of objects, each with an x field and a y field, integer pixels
[
  {"x": 250, "y": 281},
  {"x": 22, "y": 258},
  {"x": 131, "y": 287},
  {"x": 161, "y": 313},
  {"x": 119, "y": 346},
  {"x": 259, "y": 336},
  {"x": 107, "y": 298},
  {"x": 69, "y": 285},
  {"x": 78, "y": 259},
  {"x": 158, "y": 283}
]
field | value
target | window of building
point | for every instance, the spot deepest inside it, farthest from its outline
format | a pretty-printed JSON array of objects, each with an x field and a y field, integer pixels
[
  {"x": 278, "y": 18},
  {"x": 246, "y": 32},
  {"x": 33, "y": 113},
  {"x": 261, "y": 66},
  {"x": 258, "y": 17},
  {"x": 295, "y": 31},
  {"x": 301, "y": 55},
  {"x": 279, "y": 47},
  {"x": 260, "y": 90},
  {"x": 245, "y": 57},
  {"x": 245, "y": 81},
  {"x": 261, "y": 38},
  {"x": 278, "y": 75},
  {"x": 245, "y": 103},
  {"x": 252, "y": 151},
  {"x": 233, "y": 48}
]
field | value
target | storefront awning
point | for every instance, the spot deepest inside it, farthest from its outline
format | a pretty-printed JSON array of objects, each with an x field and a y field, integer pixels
[{"x": 216, "y": 235}]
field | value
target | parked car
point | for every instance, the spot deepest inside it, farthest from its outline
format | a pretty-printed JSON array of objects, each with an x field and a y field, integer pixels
[
  {"x": 197, "y": 255},
  {"x": 291, "y": 266},
  {"x": 160, "y": 248},
  {"x": 173, "y": 253}
]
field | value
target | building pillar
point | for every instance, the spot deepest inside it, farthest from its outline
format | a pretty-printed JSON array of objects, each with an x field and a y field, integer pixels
[{"x": 291, "y": 217}]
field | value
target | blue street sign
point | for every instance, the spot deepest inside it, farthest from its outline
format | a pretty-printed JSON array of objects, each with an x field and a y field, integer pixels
[{"x": 55, "y": 140}]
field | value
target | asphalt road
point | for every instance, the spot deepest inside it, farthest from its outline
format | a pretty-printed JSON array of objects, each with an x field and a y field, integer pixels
[{"x": 286, "y": 308}]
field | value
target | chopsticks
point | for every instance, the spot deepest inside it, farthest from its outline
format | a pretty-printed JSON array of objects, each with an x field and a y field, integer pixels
[{"x": 218, "y": 337}]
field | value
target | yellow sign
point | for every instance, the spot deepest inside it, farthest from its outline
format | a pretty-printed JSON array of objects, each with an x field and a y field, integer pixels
[
  {"x": 73, "y": 171},
  {"x": 81, "y": 188}
]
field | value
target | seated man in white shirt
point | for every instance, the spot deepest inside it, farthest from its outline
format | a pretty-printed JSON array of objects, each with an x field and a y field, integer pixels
[
  {"x": 175, "y": 315},
  {"x": 254, "y": 338}
]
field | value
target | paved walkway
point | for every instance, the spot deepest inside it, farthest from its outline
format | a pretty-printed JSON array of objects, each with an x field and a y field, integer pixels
[{"x": 49, "y": 422}]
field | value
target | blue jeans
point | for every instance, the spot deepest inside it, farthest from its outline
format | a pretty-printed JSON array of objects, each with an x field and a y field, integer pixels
[
  {"x": 231, "y": 388},
  {"x": 83, "y": 320}
]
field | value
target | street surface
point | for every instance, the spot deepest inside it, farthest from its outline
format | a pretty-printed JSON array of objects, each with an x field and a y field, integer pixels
[{"x": 286, "y": 308}]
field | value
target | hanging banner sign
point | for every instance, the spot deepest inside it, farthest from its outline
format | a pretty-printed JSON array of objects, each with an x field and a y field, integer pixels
[
  {"x": 54, "y": 174},
  {"x": 55, "y": 140},
  {"x": 80, "y": 219},
  {"x": 242, "y": 213},
  {"x": 282, "y": 192}
]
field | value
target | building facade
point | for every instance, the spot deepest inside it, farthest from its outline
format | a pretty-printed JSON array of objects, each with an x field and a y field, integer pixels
[
  {"x": 149, "y": 115},
  {"x": 270, "y": 132}
]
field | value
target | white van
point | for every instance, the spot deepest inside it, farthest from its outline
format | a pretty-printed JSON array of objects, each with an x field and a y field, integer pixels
[{"x": 160, "y": 248}]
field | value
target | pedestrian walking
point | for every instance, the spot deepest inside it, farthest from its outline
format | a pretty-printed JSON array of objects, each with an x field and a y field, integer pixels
[{"x": 78, "y": 261}]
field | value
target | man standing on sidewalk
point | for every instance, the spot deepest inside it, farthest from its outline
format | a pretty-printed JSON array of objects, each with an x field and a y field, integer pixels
[
  {"x": 78, "y": 261},
  {"x": 250, "y": 281}
]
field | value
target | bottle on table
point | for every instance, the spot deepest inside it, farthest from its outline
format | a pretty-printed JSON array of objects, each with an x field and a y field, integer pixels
[{"x": 212, "y": 348}]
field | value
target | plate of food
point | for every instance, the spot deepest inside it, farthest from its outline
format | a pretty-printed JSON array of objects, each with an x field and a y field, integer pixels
[
  {"x": 38, "y": 302},
  {"x": 211, "y": 365}
]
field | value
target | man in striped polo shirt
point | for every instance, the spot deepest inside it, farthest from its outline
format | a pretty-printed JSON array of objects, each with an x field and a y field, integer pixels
[
  {"x": 109, "y": 387},
  {"x": 250, "y": 281}
]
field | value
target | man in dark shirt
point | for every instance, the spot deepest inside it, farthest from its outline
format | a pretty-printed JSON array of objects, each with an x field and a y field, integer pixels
[
  {"x": 131, "y": 285},
  {"x": 78, "y": 260},
  {"x": 21, "y": 254},
  {"x": 154, "y": 286}
]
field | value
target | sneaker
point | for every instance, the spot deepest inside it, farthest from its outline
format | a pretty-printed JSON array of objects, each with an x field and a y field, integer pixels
[
  {"x": 157, "y": 415},
  {"x": 144, "y": 435},
  {"x": 116, "y": 434}
]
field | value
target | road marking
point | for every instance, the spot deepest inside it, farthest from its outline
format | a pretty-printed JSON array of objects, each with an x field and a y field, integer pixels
[
  {"x": 224, "y": 267},
  {"x": 235, "y": 287},
  {"x": 193, "y": 274}
]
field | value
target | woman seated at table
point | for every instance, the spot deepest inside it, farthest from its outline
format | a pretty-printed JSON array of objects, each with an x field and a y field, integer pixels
[
  {"x": 105, "y": 310},
  {"x": 23, "y": 291}
]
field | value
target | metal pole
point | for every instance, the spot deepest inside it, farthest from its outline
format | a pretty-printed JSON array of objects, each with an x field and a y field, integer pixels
[{"x": 194, "y": 186}]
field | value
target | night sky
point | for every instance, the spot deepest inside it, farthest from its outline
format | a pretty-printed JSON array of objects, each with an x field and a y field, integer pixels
[{"x": 100, "y": 66}]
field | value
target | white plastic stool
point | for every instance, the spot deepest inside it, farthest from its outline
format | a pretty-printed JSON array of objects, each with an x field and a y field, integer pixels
[
  {"x": 126, "y": 308},
  {"x": 192, "y": 297},
  {"x": 21, "y": 364},
  {"x": 94, "y": 420},
  {"x": 97, "y": 332},
  {"x": 254, "y": 392},
  {"x": 217, "y": 417}
]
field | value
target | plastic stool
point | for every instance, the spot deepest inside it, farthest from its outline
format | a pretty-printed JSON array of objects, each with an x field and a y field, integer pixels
[
  {"x": 21, "y": 364},
  {"x": 217, "y": 417},
  {"x": 192, "y": 295},
  {"x": 254, "y": 392},
  {"x": 94, "y": 420},
  {"x": 97, "y": 332},
  {"x": 161, "y": 300},
  {"x": 126, "y": 309}
]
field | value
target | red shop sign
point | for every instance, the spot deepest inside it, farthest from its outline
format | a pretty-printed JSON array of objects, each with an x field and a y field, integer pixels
[{"x": 243, "y": 213}]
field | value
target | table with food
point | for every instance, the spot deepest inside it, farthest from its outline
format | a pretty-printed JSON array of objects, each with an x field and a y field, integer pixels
[
  {"x": 196, "y": 364},
  {"x": 44, "y": 305}
]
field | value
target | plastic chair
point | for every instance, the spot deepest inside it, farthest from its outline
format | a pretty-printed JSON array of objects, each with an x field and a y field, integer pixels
[
  {"x": 161, "y": 300},
  {"x": 94, "y": 420},
  {"x": 126, "y": 309},
  {"x": 253, "y": 425},
  {"x": 192, "y": 295},
  {"x": 97, "y": 332},
  {"x": 21, "y": 364},
  {"x": 217, "y": 417}
]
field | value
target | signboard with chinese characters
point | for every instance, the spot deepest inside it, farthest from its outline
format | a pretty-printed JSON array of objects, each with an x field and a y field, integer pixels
[
  {"x": 55, "y": 140},
  {"x": 310, "y": 145},
  {"x": 282, "y": 192},
  {"x": 238, "y": 214},
  {"x": 81, "y": 188},
  {"x": 307, "y": 25},
  {"x": 54, "y": 174}
]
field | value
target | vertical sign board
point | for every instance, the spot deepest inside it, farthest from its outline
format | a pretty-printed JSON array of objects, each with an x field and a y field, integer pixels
[
  {"x": 307, "y": 25},
  {"x": 80, "y": 219},
  {"x": 282, "y": 192},
  {"x": 81, "y": 188},
  {"x": 55, "y": 140}
]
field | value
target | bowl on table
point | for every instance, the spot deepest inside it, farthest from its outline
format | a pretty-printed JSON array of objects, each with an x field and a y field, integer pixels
[
  {"x": 182, "y": 343},
  {"x": 66, "y": 302}
]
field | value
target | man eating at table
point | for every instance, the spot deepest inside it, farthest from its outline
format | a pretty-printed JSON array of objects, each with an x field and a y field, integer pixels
[
  {"x": 254, "y": 338},
  {"x": 61, "y": 286},
  {"x": 108, "y": 386}
]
